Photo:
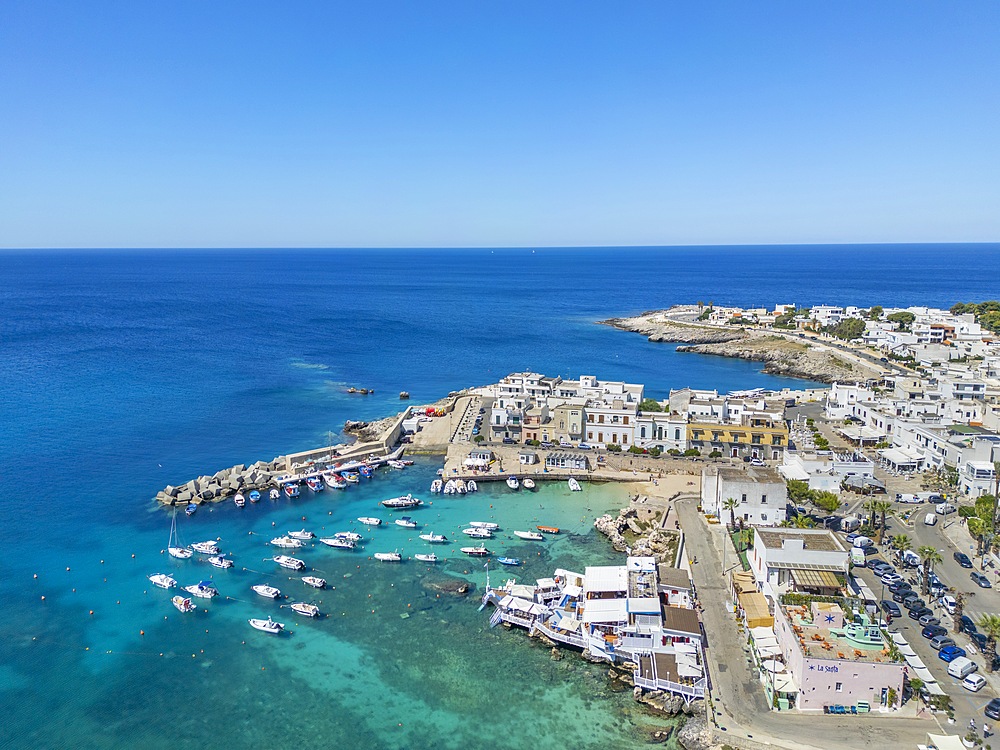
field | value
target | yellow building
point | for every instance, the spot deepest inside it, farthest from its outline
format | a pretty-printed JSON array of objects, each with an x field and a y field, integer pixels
[{"x": 757, "y": 436}]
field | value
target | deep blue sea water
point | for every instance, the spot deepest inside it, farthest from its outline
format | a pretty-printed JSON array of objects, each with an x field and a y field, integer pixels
[{"x": 122, "y": 372}]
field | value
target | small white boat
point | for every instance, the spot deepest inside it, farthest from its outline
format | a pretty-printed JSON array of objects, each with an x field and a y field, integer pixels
[
  {"x": 529, "y": 483},
  {"x": 388, "y": 556},
  {"x": 449, "y": 487},
  {"x": 182, "y": 603},
  {"x": 174, "y": 547},
  {"x": 406, "y": 522},
  {"x": 274, "y": 494},
  {"x": 203, "y": 590},
  {"x": 459, "y": 486},
  {"x": 484, "y": 525},
  {"x": 404, "y": 501},
  {"x": 513, "y": 483},
  {"x": 291, "y": 563},
  {"x": 396, "y": 464},
  {"x": 533, "y": 536},
  {"x": 239, "y": 500},
  {"x": 370, "y": 521},
  {"x": 434, "y": 538},
  {"x": 302, "y": 535},
  {"x": 220, "y": 561},
  {"x": 471, "y": 486},
  {"x": 436, "y": 486},
  {"x": 339, "y": 542},
  {"x": 315, "y": 581},
  {"x": 309, "y": 610},
  {"x": 211, "y": 547},
  {"x": 479, "y": 551},
  {"x": 286, "y": 542},
  {"x": 478, "y": 533},
  {"x": 181, "y": 553},
  {"x": 162, "y": 580},
  {"x": 574, "y": 485},
  {"x": 351, "y": 477},
  {"x": 268, "y": 592},
  {"x": 348, "y": 535},
  {"x": 268, "y": 625},
  {"x": 426, "y": 558}
]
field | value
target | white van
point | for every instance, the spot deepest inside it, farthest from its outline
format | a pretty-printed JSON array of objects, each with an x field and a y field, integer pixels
[
  {"x": 910, "y": 558},
  {"x": 862, "y": 541},
  {"x": 849, "y": 524},
  {"x": 962, "y": 667},
  {"x": 858, "y": 557},
  {"x": 907, "y": 498},
  {"x": 930, "y": 519},
  {"x": 944, "y": 509}
]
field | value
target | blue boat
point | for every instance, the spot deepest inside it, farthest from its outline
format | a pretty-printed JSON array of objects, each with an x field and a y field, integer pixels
[
  {"x": 292, "y": 489},
  {"x": 190, "y": 509},
  {"x": 366, "y": 470},
  {"x": 508, "y": 561},
  {"x": 254, "y": 496}
]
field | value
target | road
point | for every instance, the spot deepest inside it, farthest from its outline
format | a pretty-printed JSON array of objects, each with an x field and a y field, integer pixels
[
  {"x": 737, "y": 695},
  {"x": 967, "y": 705}
]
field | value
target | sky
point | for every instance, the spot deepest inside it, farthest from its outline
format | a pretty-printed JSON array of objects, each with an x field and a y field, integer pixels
[{"x": 367, "y": 124}]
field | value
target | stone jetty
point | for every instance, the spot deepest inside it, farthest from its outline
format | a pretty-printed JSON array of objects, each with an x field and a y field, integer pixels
[{"x": 223, "y": 484}]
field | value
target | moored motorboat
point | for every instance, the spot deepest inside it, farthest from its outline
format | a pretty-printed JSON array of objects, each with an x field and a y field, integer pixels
[
  {"x": 268, "y": 592},
  {"x": 239, "y": 500},
  {"x": 404, "y": 501},
  {"x": 529, "y": 483},
  {"x": 338, "y": 542},
  {"x": 181, "y": 553},
  {"x": 508, "y": 561},
  {"x": 220, "y": 561},
  {"x": 182, "y": 603},
  {"x": 574, "y": 485},
  {"x": 268, "y": 625},
  {"x": 274, "y": 494},
  {"x": 478, "y": 533},
  {"x": 203, "y": 590},
  {"x": 533, "y": 536},
  {"x": 191, "y": 509},
  {"x": 351, "y": 477},
  {"x": 291, "y": 489},
  {"x": 460, "y": 486},
  {"x": 315, "y": 581},
  {"x": 366, "y": 471},
  {"x": 211, "y": 547},
  {"x": 548, "y": 529},
  {"x": 484, "y": 525},
  {"x": 449, "y": 487},
  {"x": 162, "y": 580},
  {"x": 353, "y": 536},
  {"x": 434, "y": 538},
  {"x": 471, "y": 486},
  {"x": 291, "y": 563},
  {"x": 426, "y": 558},
  {"x": 309, "y": 610},
  {"x": 370, "y": 521},
  {"x": 513, "y": 483},
  {"x": 436, "y": 486},
  {"x": 254, "y": 496},
  {"x": 406, "y": 522},
  {"x": 388, "y": 556},
  {"x": 286, "y": 542},
  {"x": 479, "y": 551},
  {"x": 315, "y": 484},
  {"x": 396, "y": 464},
  {"x": 302, "y": 535}
]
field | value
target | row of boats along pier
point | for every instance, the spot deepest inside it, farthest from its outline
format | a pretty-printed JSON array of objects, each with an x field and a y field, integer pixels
[{"x": 209, "y": 551}]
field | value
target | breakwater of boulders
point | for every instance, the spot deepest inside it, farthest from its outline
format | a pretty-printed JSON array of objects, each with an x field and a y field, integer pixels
[{"x": 223, "y": 484}]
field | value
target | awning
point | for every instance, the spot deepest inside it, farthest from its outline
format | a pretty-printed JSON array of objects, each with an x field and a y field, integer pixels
[
  {"x": 907, "y": 650},
  {"x": 759, "y": 633},
  {"x": 898, "y": 458},
  {"x": 925, "y": 675},
  {"x": 767, "y": 651},
  {"x": 568, "y": 623},
  {"x": 945, "y": 741},
  {"x": 785, "y": 683},
  {"x": 815, "y": 578},
  {"x": 789, "y": 471},
  {"x": 899, "y": 639},
  {"x": 772, "y": 665},
  {"x": 934, "y": 689},
  {"x": 914, "y": 661}
]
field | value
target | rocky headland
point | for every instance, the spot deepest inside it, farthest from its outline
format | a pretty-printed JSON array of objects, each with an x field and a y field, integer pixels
[{"x": 657, "y": 326}]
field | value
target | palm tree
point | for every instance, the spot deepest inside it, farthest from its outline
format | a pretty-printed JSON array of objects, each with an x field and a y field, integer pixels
[
  {"x": 803, "y": 522},
  {"x": 883, "y": 508},
  {"x": 929, "y": 557},
  {"x": 730, "y": 504},
  {"x": 901, "y": 542},
  {"x": 869, "y": 507},
  {"x": 956, "y": 623},
  {"x": 990, "y": 626},
  {"x": 978, "y": 528}
]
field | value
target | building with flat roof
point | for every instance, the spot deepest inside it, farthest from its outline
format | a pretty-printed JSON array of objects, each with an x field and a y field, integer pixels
[
  {"x": 760, "y": 491},
  {"x": 810, "y": 561}
]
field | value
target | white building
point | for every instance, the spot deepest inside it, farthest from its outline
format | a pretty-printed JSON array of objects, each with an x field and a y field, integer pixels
[
  {"x": 760, "y": 492},
  {"x": 785, "y": 560}
]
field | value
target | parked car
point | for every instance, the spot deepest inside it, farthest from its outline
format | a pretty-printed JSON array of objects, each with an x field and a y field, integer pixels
[
  {"x": 992, "y": 709},
  {"x": 982, "y": 581},
  {"x": 902, "y": 595},
  {"x": 915, "y": 602},
  {"x": 918, "y": 612},
  {"x": 852, "y": 536},
  {"x": 891, "y": 608},
  {"x": 899, "y": 587},
  {"x": 890, "y": 578},
  {"x": 880, "y": 568},
  {"x": 930, "y": 519},
  {"x": 963, "y": 559},
  {"x": 974, "y": 683},
  {"x": 949, "y": 603},
  {"x": 584, "y": 447},
  {"x": 950, "y": 653},
  {"x": 547, "y": 444},
  {"x": 979, "y": 639},
  {"x": 508, "y": 441},
  {"x": 942, "y": 641},
  {"x": 929, "y": 620},
  {"x": 966, "y": 625},
  {"x": 933, "y": 631}
]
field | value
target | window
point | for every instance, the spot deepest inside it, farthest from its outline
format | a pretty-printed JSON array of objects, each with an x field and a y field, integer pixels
[
  {"x": 624, "y": 439},
  {"x": 614, "y": 437},
  {"x": 600, "y": 418},
  {"x": 677, "y": 434},
  {"x": 763, "y": 516},
  {"x": 763, "y": 499},
  {"x": 839, "y": 687},
  {"x": 626, "y": 420},
  {"x": 642, "y": 431},
  {"x": 600, "y": 437},
  {"x": 744, "y": 498}
]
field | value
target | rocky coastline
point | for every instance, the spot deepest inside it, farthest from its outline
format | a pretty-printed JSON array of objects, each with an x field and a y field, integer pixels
[{"x": 659, "y": 328}]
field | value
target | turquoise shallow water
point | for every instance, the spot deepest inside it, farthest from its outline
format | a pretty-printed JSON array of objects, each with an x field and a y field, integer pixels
[{"x": 392, "y": 664}]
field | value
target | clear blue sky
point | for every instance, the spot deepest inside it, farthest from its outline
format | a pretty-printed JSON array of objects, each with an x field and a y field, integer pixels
[{"x": 243, "y": 124}]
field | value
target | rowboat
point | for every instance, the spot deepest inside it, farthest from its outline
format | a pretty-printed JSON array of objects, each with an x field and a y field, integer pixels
[
  {"x": 548, "y": 529},
  {"x": 574, "y": 485},
  {"x": 529, "y": 483}
]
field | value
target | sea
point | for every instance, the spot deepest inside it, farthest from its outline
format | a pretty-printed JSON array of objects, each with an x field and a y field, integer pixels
[{"x": 125, "y": 371}]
